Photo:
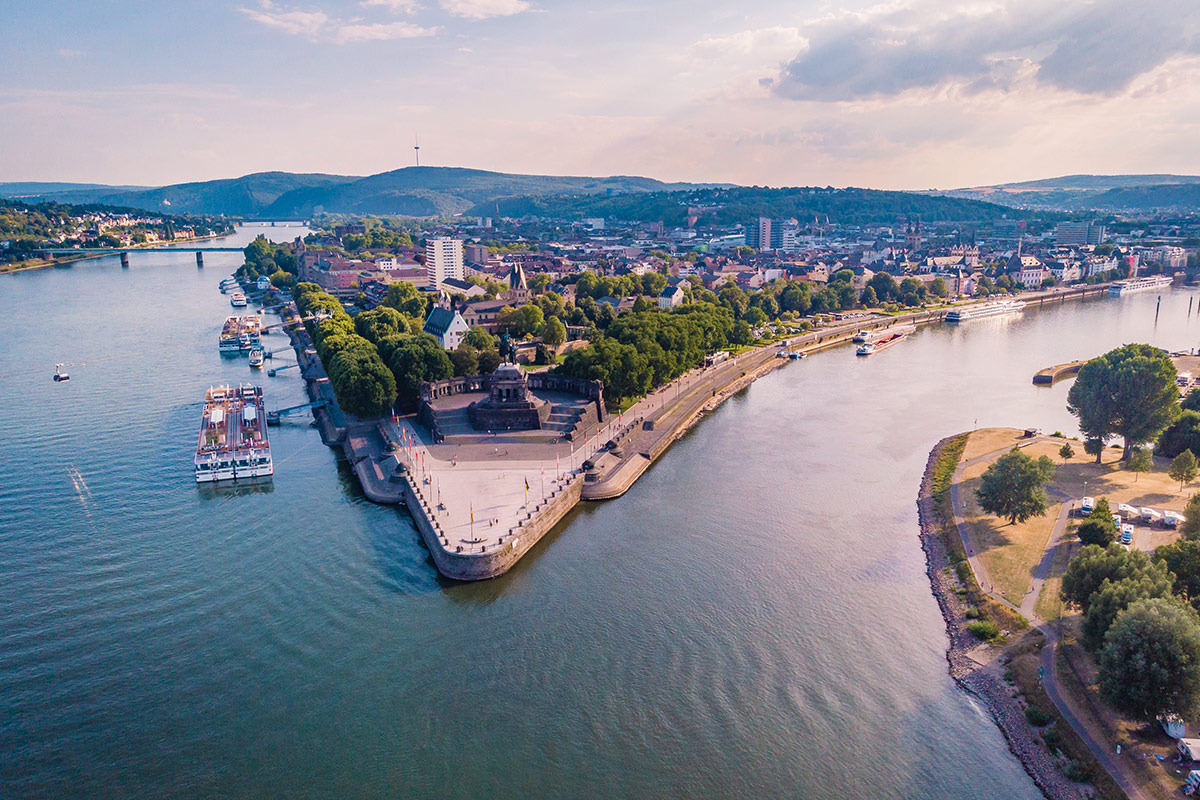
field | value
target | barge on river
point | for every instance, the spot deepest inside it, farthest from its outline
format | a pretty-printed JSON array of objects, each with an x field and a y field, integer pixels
[
  {"x": 864, "y": 336},
  {"x": 870, "y": 348},
  {"x": 233, "y": 441}
]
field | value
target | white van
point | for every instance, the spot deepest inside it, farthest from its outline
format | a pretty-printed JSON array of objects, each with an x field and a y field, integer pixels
[{"x": 1087, "y": 505}]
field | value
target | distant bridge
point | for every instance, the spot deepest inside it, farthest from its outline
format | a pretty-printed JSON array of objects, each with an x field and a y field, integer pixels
[{"x": 122, "y": 250}]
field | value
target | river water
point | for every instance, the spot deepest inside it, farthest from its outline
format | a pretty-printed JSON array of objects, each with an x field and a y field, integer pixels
[{"x": 751, "y": 620}]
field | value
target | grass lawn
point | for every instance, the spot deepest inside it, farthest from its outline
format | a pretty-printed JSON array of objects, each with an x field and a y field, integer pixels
[{"x": 1011, "y": 552}]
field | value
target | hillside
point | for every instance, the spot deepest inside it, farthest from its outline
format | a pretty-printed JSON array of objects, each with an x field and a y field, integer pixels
[
  {"x": 742, "y": 203},
  {"x": 1093, "y": 192},
  {"x": 412, "y": 191}
]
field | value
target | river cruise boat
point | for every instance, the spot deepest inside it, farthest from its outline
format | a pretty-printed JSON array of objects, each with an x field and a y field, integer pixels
[
  {"x": 1122, "y": 288},
  {"x": 240, "y": 334},
  {"x": 237, "y": 299},
  {"x": 992, "y": 309},
  {"x": 257, "y": 355},
  {"x": 870, "y": 348},
  {"x": 864, "y": 336},
  {"x": 233, "y": 441}
]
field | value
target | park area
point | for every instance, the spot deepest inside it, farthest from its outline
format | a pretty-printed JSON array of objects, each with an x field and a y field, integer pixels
[{"x": 1011, "y": 552}]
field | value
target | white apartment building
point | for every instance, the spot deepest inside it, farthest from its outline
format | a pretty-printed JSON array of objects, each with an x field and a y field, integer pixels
[{"x": 443, "y": 259}]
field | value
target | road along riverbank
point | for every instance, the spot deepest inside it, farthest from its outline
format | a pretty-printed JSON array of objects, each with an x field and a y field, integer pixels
[{"x": 480, "y": 510}]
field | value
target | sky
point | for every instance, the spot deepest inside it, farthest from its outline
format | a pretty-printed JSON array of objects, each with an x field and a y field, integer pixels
[{"x": 908, "y": 94}]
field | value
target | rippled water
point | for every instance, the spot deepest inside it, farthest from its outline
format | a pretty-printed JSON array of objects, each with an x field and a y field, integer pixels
[{"x": 751, "y": 620}]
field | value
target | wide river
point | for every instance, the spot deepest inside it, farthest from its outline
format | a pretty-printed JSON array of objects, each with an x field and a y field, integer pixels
[{"x": 752, "y": 620}]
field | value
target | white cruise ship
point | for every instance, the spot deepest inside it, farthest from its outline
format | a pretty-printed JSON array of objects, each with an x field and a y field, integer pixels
[
  {"x": 992, "y": 309},
  {"x": 1121, "y": 288},
  {"x": 233, "y": 439}
]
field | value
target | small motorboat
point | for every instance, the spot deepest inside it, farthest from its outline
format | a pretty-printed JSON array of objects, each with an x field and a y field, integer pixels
[
  {"x": 59, "y": 375},
  {"x": 257, "y": 355}
]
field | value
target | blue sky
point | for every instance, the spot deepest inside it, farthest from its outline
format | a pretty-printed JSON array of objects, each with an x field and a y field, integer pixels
[{"x": 902, "y": 94}]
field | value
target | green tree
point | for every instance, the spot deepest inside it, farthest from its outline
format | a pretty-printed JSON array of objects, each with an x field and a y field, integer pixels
[
  {"x": 488, "y": 361},
  {"x": 1182, "y": 434},
  {"x": 406, "y": 298},
  {"x": 1182, "y": 559},
  {"x": 1013, "y": 486},
  {"x": 282, "y": 280},
  {"x": 741, "y": 333},
  {"x": 1150, "y": 665},
  {"x": 1066, "y": 453},
  {"x": 755, "y": 317},
  {"x": 868, "y": 299},
  {"x": 938, "y": 287},
  {"x": 417, "y": 359},
  {"x": 554, "y": 333},
  {"x": 1113, "y": 597},
  {"x": 1191, "y": 402},
  {"x": 1184, "y": 468},
  {"x": 1094, "y": 565},
  {"x": 465, "y": 360},
  {"x": 1190, "y": 527},
  {"x": 1128, "y": 392},
  {"x": 1094, "y": 447},
  {"x": 480, "y": 339},
  {"x": 1140, "y": 460}
]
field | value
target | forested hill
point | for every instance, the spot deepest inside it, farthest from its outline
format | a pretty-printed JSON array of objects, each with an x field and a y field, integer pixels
[
  {"x": 739, "y": 204},
  {"x": 412, "y": 191}
]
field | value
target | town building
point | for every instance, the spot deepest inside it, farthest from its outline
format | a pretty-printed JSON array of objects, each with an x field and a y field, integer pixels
[
  {"x": 448, "y": 327},
  {"x": 443, "y": 259},
  {"x": 671, "y": 296}
]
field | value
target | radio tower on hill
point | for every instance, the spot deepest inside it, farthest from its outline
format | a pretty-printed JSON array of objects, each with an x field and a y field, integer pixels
[{"x": 417, "y": 149}]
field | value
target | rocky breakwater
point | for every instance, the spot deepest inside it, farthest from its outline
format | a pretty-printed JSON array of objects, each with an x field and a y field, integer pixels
[{"x": 970, "y": 664}]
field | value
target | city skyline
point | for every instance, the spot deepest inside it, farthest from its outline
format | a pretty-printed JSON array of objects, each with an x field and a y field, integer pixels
[{"x": 909, "y": 95}]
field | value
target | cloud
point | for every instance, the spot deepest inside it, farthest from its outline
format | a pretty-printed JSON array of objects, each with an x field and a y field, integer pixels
[
  {"x": 1092, "y": 47},
  {"x": 66, "y": 52},
  {"x": 395, "y": 6},
  {"x": 358, "y": 32},
  {"x": 482, "y": 9},
  {"x": 297, "y": 23},
  {"x": 771, "y": 43}
]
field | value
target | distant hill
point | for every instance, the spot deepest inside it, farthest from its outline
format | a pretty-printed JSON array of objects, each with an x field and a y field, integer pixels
[
  {"x": 740, "y": 204},
  {"x": 412, "y": 191},
  {"x": 1094, "y": 192}
]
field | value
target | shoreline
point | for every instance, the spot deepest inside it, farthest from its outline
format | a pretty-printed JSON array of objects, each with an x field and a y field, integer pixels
[
  {"x": 981, "y": 681},
  {"x": 378, "y": 467}
]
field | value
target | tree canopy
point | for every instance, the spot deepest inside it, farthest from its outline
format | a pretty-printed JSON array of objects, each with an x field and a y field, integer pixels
[
  {"x": 1128, "y": 392},
  {"x": 1094, "y": 565},
  {"x": 1150, "y": 665},
  {"x": 1184, "y": 468},
  {"x": 1013, "y": 486}
]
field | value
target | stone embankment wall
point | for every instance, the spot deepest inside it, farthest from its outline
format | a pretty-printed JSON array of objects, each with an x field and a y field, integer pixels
[{"x": 498, "y": 559}]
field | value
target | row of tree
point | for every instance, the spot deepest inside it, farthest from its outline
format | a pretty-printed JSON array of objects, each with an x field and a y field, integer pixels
[{"x": 642, "y": 350}]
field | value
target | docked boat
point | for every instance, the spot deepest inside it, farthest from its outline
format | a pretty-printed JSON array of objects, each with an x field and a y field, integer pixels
[
  {"x": 59, "y": 375},
  {"x": 864, "y": 336},
  {"x": 797, "y": 355},
  {"x": 233, "y": 439},
  {"x": 1131, "y": 285},
  {"x": 237, "y": 299},
  {"x": 240, "y": 334},
  {"x": 991, "y": 309},
  {"x": 257, "y": 355},
  {"x": 870, "y": 348}
]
